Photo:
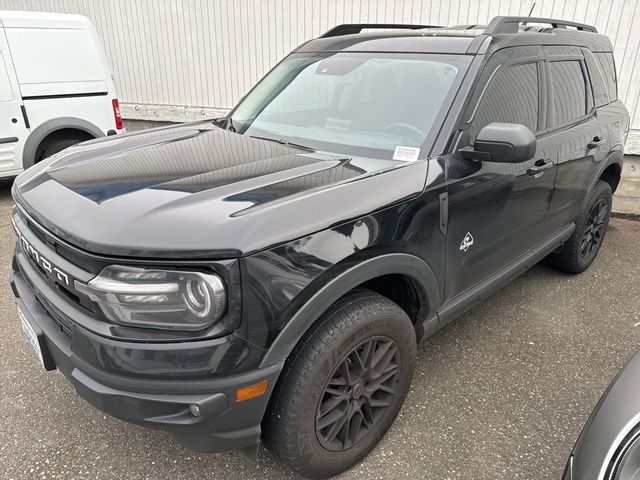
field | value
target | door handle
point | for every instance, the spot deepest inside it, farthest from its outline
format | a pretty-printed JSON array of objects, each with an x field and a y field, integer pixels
[
  {"x": 595, "y": 142},
  {"x": 538, "y": 169}
]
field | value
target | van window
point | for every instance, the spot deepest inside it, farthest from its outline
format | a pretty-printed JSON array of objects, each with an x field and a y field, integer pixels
[
  {"x": 5, "y": 85},
  {"x": 569, "y": 91},
  {"x": 608, "y": 68},
  {"x": 511, "y": 97}
]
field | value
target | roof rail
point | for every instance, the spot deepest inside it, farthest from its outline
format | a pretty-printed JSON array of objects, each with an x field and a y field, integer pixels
[
  {"x": 466, "y": 27},
  {"x": 350, "y": 28},
  {"x": 512, "y": 24}
]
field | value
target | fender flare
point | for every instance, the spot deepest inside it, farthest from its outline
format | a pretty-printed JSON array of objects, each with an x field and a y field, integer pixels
[
  {"x": 614, "y": 157},
  {"x": 36, "y": 136},
  {"x": 386, "y": 264}
]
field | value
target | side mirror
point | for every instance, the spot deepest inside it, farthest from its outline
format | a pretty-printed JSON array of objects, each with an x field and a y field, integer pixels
[{"x": 502, "y": 142}]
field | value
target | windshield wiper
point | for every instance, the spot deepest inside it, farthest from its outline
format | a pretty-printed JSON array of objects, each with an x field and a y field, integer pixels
[{"x": 284, "y": 141}]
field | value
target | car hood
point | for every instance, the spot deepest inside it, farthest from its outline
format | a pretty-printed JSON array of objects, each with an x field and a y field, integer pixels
[
  {"x": 617, "y": 414},
  {"x": 200, "y": 191}
]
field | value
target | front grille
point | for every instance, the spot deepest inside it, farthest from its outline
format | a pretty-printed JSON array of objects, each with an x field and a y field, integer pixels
[
  {"x": 68, "y": 294},
  {"x": 36, "y": 231},
  {"x": 63, "y": 323},
  {"x": 50, "y": 276},
  {"x": 81, "y": 260}
]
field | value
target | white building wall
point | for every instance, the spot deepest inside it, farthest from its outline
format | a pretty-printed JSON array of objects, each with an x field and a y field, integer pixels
[{"x": 177, "y": 60}]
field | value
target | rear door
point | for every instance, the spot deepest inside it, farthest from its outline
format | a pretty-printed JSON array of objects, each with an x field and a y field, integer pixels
[
  {"x": 579, "y": 137},
  {"x": 13, "y": 131},
  {"x": 497, "y": 211}
]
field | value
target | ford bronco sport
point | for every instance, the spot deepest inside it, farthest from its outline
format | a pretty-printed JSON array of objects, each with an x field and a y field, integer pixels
[{"x": 270, "y": 273}]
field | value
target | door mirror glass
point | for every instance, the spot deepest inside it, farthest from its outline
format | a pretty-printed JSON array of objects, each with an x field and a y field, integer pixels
[{"x": 502, "y": 142}]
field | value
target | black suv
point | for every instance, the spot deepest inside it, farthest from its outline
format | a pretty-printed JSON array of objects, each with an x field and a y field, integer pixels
[{"x": 270, "y": 273}]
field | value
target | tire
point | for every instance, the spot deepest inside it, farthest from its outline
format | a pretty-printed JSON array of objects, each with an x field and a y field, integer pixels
[
  {"x": 298, "y": 426},
  {"x": 55, "y": 146},
  {"x": 591, "y": 226}
]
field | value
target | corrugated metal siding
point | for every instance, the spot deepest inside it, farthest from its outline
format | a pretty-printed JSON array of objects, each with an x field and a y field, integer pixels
[{"x": 199, "y": 54}]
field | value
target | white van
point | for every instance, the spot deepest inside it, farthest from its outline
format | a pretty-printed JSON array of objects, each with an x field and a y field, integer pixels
[{"x": 56, "y": 87}]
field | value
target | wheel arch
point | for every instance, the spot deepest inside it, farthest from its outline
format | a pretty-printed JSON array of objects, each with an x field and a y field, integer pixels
[
  {"x": 611, "y": 174},
  {"x": 406, "y": 266},
  {"x": 37, "y": 136},
  {"x": 612, "y": 163},
  {"x": 610, "y": 170}
]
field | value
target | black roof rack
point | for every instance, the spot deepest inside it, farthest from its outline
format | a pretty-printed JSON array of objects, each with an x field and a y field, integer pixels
[
  {"x": 350, "y": 28},
  {"x": 466, "y": 27},
  {"x": 512, "y": 24}
]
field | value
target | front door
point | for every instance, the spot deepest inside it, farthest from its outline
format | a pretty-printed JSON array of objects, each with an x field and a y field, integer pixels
[
  {"x": 497, "y": 211},
  {"x": 13, "y": 131}
]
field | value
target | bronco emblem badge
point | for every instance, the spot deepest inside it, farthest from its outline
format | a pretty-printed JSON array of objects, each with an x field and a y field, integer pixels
[{"x": 467, "y": 241}]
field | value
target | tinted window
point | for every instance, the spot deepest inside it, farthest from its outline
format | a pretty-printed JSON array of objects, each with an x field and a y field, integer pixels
[
  {"x": 598, "y": 84},
  {"x": 608, "y": 69},
  {"x": 511, "y": 97},
  {"x": 569, "y": 91},
  {"x": 5, "y": 85}
]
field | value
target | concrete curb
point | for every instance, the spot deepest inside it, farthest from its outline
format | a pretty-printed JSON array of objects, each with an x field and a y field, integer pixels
[
  {"x": 626, "y": 216},
  {"x": 626, "y": 200}
]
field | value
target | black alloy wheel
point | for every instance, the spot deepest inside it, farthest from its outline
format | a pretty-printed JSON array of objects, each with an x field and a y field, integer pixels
[
  {"x": 360, "y": 390},
  {"x": 342, "y": 386},
  {"x": 579, "y": 251},
  {"x": 594, "y": 230}
]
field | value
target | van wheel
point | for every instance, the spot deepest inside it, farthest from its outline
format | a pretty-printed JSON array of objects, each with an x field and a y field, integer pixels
[
  {"x": 54, "y": 146},
  {"x": 343, "y": 385},
  {"x": 591, "y": 226}
]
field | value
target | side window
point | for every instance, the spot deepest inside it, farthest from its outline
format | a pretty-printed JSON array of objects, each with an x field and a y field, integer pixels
[
  {"x": 511, "y": 97},
  {"x": 569, "y": 91},
  {"x": 598, "y": 84},
  {"x": 608, "y": 69},
  {"x": 5, "y": 85}
]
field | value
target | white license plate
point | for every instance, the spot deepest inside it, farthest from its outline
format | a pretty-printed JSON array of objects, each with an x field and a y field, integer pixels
[{"x": 30, "y": 335}]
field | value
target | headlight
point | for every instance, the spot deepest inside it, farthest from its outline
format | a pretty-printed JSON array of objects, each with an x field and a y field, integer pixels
[
  {"x": 169, "y": 299},
  {"x": 628, "y": 467}
]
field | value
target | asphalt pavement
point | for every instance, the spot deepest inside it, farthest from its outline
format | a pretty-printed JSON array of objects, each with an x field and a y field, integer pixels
[{"x": 502, "y": 393}]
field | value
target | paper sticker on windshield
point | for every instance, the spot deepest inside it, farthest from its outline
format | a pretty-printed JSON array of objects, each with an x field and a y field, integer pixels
[{"x": 406, "y": 154}]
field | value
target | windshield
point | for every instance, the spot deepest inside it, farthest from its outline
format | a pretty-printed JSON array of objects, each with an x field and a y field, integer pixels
[{"x": 362, "y": 104}]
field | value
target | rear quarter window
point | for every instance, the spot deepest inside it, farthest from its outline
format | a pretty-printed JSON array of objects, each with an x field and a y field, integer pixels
[
  {"x": 598, "y": 84},
  {"x": 569, "y": 91},
  {"x": 608, "y": 68}
]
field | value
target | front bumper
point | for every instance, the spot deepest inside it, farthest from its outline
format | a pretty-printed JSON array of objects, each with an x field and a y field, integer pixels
[{"x": 96, "y": 365}]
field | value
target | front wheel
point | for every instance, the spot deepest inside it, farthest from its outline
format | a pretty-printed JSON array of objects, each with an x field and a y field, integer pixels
[
  {"x": 343, "y": 386},
  {"x": 591, "y": 225}
]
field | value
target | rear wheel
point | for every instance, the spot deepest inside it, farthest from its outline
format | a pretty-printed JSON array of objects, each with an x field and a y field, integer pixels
[
  {"x": 53, "y": 146},
  {"x": 591, "y": 226},
  {"x": 343, "y": 386}
]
